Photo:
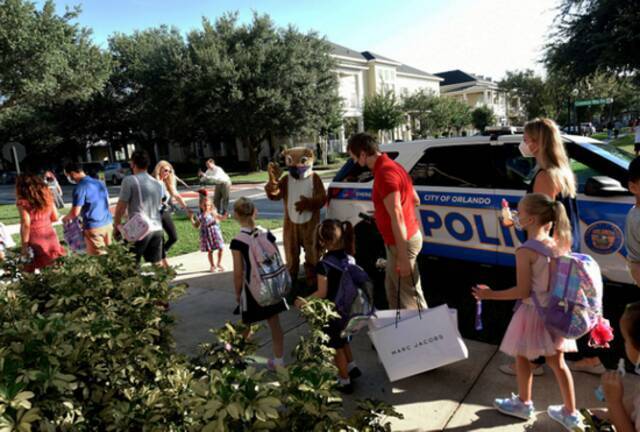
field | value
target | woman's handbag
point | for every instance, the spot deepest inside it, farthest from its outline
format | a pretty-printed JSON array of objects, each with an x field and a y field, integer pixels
[{"x": 139, "y": 224}]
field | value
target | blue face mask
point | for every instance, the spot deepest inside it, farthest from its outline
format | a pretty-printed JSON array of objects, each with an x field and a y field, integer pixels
[{"x": 298, "y": 172}]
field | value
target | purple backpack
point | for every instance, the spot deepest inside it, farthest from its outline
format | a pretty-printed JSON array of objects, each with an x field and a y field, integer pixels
[
  {"x": 575, "y": 293},
  {"x": 353, "y": 299}
]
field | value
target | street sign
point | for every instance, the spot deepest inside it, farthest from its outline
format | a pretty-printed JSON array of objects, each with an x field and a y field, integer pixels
[{"x": 589, "y": 102}]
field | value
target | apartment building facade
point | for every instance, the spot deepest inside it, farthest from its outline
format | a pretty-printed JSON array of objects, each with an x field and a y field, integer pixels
[
  {"x": 477, "y": 91},
  {"x": 362, "y": 74}
]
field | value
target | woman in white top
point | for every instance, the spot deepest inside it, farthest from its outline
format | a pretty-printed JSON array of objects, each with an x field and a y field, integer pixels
[{"x": 215, "y": 175}]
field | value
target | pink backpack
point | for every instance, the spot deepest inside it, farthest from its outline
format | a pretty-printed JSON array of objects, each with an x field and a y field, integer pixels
[{"x": 269, "y": 281}]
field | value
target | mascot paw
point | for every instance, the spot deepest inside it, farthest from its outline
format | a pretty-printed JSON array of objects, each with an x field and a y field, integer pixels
[
  {"x": 274, "y": 172},
  {"x": 305, "y": 204}
]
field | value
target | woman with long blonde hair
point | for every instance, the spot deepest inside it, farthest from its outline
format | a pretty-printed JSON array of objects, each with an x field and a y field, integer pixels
[
  {"x": 554, "y": 178},
  {"x": 165, "y": 174}
]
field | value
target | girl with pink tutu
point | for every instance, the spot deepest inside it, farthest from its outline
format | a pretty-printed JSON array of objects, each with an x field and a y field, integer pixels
[{"x": 526, "y": 337}]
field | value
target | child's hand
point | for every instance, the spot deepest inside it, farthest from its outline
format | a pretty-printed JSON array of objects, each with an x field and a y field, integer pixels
[
  {"x": 481, "y": 292},
  {"x": 612, "y": 386},
  {"x": 299, "y": 302}
]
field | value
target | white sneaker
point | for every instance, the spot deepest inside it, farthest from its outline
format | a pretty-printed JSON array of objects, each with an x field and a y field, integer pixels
[
  {"x": 509, "y": 369},
  {"x": 598, "y": 369},
  {"x": 571, "y": 422}
]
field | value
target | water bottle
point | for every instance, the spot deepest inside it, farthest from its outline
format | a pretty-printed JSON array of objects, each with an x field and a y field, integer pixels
[{"x": 478, "y": 315}]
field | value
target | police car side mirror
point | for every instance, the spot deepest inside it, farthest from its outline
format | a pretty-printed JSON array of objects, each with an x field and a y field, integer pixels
[{"x": 604, "y": 187}]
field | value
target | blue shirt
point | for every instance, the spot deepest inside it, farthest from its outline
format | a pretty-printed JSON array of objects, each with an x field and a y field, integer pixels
[{"x": 93, "y": 197}]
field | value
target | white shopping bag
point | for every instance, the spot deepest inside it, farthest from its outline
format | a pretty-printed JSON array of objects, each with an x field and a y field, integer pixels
[
  {"x": 383, "y": 318},
  {"x": 418, "y": 343}
]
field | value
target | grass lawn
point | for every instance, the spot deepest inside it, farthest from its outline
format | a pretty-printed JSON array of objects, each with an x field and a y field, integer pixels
[
  {"x": 600, "y": 135},
  {"x": 189, "y": 237},
  {"x": 624, "y": 143},
  {"x": 9, "y": 214}
]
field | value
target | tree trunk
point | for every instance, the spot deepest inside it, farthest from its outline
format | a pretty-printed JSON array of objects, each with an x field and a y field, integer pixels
[
  {"x": 324, "y": 145},
  {"x": 253, "y": 154}
]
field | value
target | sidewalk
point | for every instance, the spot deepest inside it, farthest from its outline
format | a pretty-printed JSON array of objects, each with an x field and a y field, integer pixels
[{"x": 457, "y": 397}]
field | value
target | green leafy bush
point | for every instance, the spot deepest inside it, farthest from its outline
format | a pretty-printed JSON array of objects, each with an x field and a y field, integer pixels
[{"x": 86, "y": 346}]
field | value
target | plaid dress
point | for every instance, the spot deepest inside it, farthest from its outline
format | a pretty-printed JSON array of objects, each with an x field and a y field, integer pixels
[{"x": 210, "y": 233}]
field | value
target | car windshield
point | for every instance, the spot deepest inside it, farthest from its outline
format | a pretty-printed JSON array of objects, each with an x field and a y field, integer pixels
[{"x": 609, "y": 152}]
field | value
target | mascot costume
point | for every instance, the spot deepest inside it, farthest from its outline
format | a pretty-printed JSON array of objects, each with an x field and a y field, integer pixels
[{"x": 304, "y": 195}]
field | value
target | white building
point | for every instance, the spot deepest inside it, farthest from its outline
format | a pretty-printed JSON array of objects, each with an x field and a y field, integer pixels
[
  {"x": 363, "y": 74},
  {"x": 477, "y": 91}
]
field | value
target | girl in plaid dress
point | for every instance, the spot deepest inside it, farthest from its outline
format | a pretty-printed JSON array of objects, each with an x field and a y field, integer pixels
[{"x": 210, "y": 232}]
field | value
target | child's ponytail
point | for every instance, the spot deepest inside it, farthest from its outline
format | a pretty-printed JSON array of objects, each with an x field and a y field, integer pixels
[
  {"x": 562, "y": 226},
  {"x": 348, "y": 237}
]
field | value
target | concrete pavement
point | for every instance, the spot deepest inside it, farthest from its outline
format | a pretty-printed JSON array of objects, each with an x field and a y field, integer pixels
[{"x": 457, "y": 397}]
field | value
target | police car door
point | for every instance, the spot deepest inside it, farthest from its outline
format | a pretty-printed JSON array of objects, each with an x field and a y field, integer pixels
[
  {"x": 457, "y": 201},
  {"x": 603, "y": 204}
]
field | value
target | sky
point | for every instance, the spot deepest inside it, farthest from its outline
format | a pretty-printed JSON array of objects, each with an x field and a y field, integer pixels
[{"x": 485, "y": 37}]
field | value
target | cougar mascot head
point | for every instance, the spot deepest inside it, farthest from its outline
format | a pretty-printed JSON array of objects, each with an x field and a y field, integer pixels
[{"x": 299, "y": 161}]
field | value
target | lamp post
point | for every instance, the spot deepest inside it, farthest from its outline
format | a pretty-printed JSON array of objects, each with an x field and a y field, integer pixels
[{"x": 574, "y": 93}]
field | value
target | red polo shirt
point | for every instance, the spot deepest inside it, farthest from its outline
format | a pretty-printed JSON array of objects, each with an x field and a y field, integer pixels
[{"x": 388, "y": 177}]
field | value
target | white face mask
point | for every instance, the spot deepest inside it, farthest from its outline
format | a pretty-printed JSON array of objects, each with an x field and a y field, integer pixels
[
  {"x": 70, "y": 180},
  {"x": 525, "y": 150}
]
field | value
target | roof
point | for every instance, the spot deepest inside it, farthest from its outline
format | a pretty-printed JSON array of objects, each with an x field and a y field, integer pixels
[
  {"x": 343, "y": 51},
  {"x": 411, "y": 70},
  {"x": 372, "y": 56},
  {"x": 346, "y": 52},
  {"x": 457, "y": 77}
]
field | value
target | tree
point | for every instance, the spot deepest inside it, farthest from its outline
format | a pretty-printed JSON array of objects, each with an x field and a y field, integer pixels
[
  {"x": 382, "y": 112},
  {"x": 45, "y": 58},
  {"x": 436, "y": 115},
  {"x": 253, "y": 81},
  {"x": 595, "y": 36},
  {"x": 460, "y": 115},
  {"x": 530, "y": 89},
  {"x": 420, "y": 106},
  {"x": 147, "y": 87},
  {"x": 482, "y": 117}
]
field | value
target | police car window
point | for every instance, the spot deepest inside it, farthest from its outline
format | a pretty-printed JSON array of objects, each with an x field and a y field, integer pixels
[
  {"x": 586, "y": 163},
  {"x": 457, "y": 166},
  {"x": 513, "y": 171},
  {"x": 351, "y": 172}
]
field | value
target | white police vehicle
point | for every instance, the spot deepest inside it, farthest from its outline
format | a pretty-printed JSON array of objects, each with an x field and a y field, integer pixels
[{"x": 462, "y": 181}]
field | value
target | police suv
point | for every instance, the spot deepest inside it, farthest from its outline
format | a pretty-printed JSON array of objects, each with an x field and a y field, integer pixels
[{"x": 461, "y": 183}]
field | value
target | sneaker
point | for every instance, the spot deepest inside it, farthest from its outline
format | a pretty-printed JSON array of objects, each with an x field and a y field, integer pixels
[
  {"x": 355, "y": 373},
  {"x": 571, "y": 422},
  {"x": 514, "y": 407},
  {"x": 509, "y": 369},
  {"x": 272, "y": 365},
  {"x": 598, "y": 369}
]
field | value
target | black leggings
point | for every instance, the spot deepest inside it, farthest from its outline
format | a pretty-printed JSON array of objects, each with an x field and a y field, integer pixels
[{"x": 169, "y": 227}]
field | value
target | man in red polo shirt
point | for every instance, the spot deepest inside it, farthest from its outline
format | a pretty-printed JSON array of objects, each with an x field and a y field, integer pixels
[{"x": 394, "y": 201}]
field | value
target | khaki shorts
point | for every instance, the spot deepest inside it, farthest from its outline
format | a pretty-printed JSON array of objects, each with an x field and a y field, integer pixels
[
  {"x": 405, "y": 292},
  {"x": 97, "y": 239}
]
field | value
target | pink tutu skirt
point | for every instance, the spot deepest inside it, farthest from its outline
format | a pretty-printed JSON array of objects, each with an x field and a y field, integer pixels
[{"x": 527, "y": 336}]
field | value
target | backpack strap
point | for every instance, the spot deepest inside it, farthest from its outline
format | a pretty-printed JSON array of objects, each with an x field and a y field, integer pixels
[
  {"x": 539, "y": 247},
  {"x": 335, "y": 263}
]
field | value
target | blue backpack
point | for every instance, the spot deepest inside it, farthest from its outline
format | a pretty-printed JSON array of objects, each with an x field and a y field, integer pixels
[{"x": 354, "y": 297}]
